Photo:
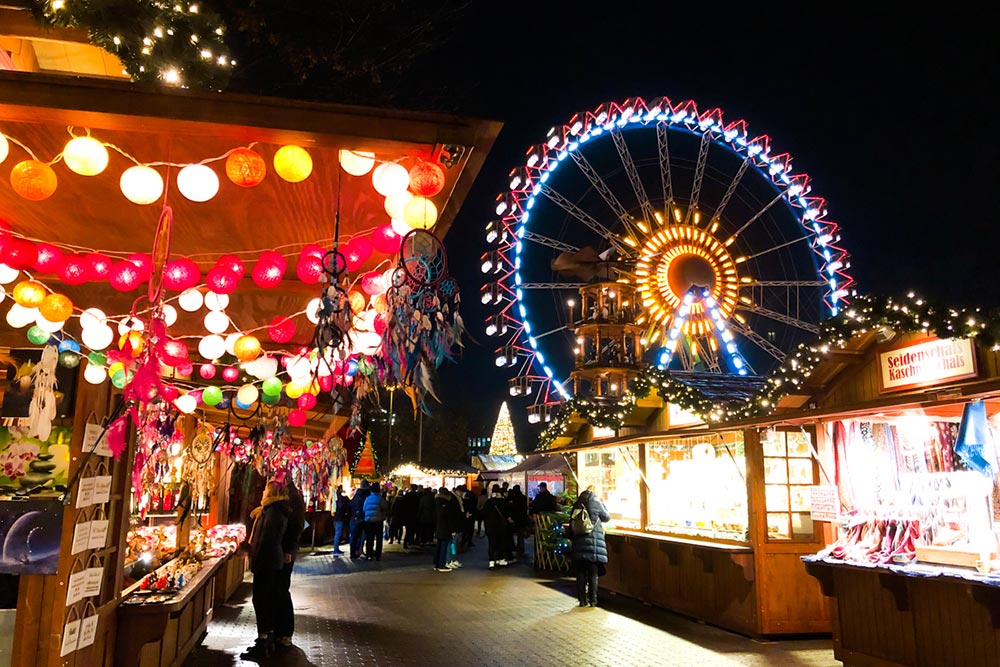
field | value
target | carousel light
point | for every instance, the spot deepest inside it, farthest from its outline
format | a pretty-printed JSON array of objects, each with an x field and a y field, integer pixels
[
  {"x": 86, "y": 156},
  {"x": 506, "y": 356},
  {"x": 212, "y": 346},
  {"x": 190, "y": 300},
  {"x": 420, "y": 213},
  {"x": 390, "y": 178},
  {"x": 98, "y": 337},
  {"x": 215, "y": 301},
  {"x": 141, "y": 184},
  {"x": 356, "y": 163},
  {"x": 198, "y": 182},
  {"x": 395, "y": 205},
  {"x": 18, "y": 316},
  {"x": 95, "y": 374},
  {"x": 8, "y": 275},
  {"x": 520, "y": 386},
  {"x": 496, "y": 232},
  {"x": 33, "y": 180},
  {"x": 216, "y": 321},
  {"x": 491, "y": 294},
  {"x": 496, "y": 325},
  {"x": 491, "y": 262},
  {"x": 293, "y": 163}
]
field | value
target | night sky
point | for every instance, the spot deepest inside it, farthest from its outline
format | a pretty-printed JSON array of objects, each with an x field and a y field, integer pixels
[{"x": 890, "y": 112}]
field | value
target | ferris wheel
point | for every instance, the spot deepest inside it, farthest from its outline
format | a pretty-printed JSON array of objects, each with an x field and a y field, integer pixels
[{"x": 652, "y": 232}]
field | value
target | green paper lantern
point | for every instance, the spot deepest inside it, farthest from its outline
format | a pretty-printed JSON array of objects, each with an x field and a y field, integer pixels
[
  {"x": 119, "y": 378},
  {"x": 272, "y": 387},
  {"x": 69, "y": 359},
  {"x": 211, "y": 396},
  {"x": 97, "y": 358},
  {"x": 270, "y": 399},
  {"x": 38, "y": 336}
]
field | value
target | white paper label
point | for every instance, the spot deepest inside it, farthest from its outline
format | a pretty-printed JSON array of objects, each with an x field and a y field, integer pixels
[
  {"x": 85, "y": 492},
  {"x": 98, "y": 534},
  {"x": 81, "y": 537},
  {"x": 71, "y": 637},
  {"x": 102, "y": 489},
  {"x": 92, "y": 583},
  {"x": 824, "y": 503},
  {"x": 90, "y": 435},
  {"x": 75, "y": 587},
  {"x": 88, "y": 631}
]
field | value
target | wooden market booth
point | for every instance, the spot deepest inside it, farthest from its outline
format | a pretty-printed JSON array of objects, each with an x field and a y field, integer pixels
[{"x": 153, "y": 124}]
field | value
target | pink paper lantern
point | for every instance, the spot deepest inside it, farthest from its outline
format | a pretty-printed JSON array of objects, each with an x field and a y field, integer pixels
[
  {"x": 313, "y": 250},
  {"x": 232, "y": 264},
  {"x": 267, "y": 274},
  {"x": 169, "y": 393},
  {"x": 207, "y": 371},
  {"x": 145, "y": 264},
  {"x": 73, "y": 270},
  {"x": 386, "y": 240},
  {"x": 325, "y": 383},
  {"x": 100, "y": 266},
  {"x": 281, "y": 329},
  {"x": 379, "y": 324},
  {"x": 297, "y": 418},
  {"x": 372, "y": 283},
  {"x": 356, "y": 252},
  {"x": 306, "y": 402},
  {"x": 174, "y": 352},
  {"x": 309, "y": 269},
  {"x": 230, "y": 374},
  {"x": 221, "y": 281},
  {"x": 48, "y": 259},
  {"x": 18, "y": 253},
  {"x": 185, "y": 369},
  {"x": 181, "y": 274},
  {"x": 124, "y": 276},
  {"x": 275, "y": 258}
]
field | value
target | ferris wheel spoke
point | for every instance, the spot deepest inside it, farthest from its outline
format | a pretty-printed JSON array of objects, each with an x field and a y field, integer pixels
[
  {"x": 552, "y": 285},
  {"x": 586, "y": 219},
  {"x": 708, "y": 355},
  {"x": 777, "y": 247},
  {"x": 784, "y": 283},
  {"x": 778, "y": 317},
  {"x": 699, "y": 175},
  {"x": 663, "y": 151},
  {"x": 606, "y": 194},
  {"x": 731, "y": 190},
  {"x": 549, "y": 242},
  {"x": 758, "y": 340},
  {"x": 758, "y": 214},
  {"x": 633, "y": 175}
]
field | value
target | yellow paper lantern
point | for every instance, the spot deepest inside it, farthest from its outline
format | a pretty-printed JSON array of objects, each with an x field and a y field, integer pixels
[
  {"x": 293, "y": 390},
  {"x": 134, "y": 338},
  {"x": 395, "y": 205},
  {"x": 33, "y": 180},
  {"x": 56, "y": 308},
  {"x": 380, "y": 303},
  {"x": 357, "y": 300},
  {"x": 29, "y": 294},
  {"x": 356, "y": 163},
  {"x": 246, "y": 348},
  {"x": 293, "y": 163},
  {"x": 86, "y": 156},
  {"x": 141, "y": 184},
  {"x": 420, "y": 213}
]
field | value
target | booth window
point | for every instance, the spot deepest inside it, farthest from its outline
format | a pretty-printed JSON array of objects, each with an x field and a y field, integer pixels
[
  {"x": 614, "y": 474},
  {"x": 697, "y": 486},
  {"x": 789, "y": 471}
]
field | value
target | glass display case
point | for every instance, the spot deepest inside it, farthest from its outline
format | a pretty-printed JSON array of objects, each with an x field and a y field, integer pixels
[
  {"x": 789, "y": 471},
  {"x": 614, "y": 474},
  {"x": 697, "y": 486}
]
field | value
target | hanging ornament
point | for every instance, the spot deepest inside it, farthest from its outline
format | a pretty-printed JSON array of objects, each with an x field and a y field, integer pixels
[
  {"x": 230, "y": 374},
  {"x": 124, "y": 276},
  {"x": 293, "y": 163},
  {"x": 56, "y": 308},
  {"x": 181, "y": 274},
  {"x": 212, "y": 346},
  {"x": 73, "y": 270},
  {"x": 86, "y": 156},
  {"x": 386, "y": 240},
  {"x": 206, "y": 371},
  {"x": 190, "y": 300},
  {"x": 141, "y": 184},
  {"x": 267, "y": 274},
  {"x": 18, "y": 253},
  {"x": 29, "y": 294},
  {"x": 309, "y": 269},
  {"x": 426, "y": 179},
  {"x": 390, "y": 178},
  {"x": 232, "y": 264},
  {"x": 100, "y": 266},
  {"x": 198, "y": 182},
  {"x": 356, "y": 163},
  {"x": 281, "y": 329},
  {"x": 221, "y": 281},
  {"x": 48, "y": 258},
  {"x": 420, "y": 213},
  {"x": 247, "y": 348},
  {"x": 215, "y": 301},
  {"x": 395, "y": 205},
  {"x": 144, "y": 263},
  {"x": 33, "y": 180},
  {"x": 245, "y": 168}
]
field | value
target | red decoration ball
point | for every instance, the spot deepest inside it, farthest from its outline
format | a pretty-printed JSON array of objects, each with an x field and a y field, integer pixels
[
  {"x": 297, "y": 417},
  {"x": 281, "y": 329},
  {"x": 48, "y": 258},
  {"x": 356, "y": 252},
  {"x": 100, "y": 266},
  {"x": 309, "y": 269},
  {"x": 275, "y": 258},
  {"x": 267, "y": 274},
  {"x": 221, "y": 282},
  {"x": 124, "y": 276},
  {"x": 325, "y": 383},
  {"x": 18, "y": 253},
  {"x": 245, "y": 168},
  {"x": 230, "y": 374},
  {"x": 73, "y": 270},
  {"x": 426, "y": 179},
  {"x": 306, "y": 401},
  {"x": 233, "y": 264},
  {"x": 169, "y": 393},
  {"x": 207, "y": 371},
  {"x": 181, "y": 274},
  {"x": 145, "y": 264},
  {"x": 386, "y": 240},
  {"x": 185, "y": 369},
  {"x": 313, "y": 250},
  {"x": 174, "y": 352}
]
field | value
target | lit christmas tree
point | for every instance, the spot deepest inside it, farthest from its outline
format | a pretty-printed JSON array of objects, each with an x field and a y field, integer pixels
[{"x": 503, "y": 443}]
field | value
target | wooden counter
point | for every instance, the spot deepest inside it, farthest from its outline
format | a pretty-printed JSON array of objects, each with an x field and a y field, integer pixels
[
  {"x": 913, "y": 615},
  {"x": 229, "y": 576},
  {"x": 162, "y": 634}
]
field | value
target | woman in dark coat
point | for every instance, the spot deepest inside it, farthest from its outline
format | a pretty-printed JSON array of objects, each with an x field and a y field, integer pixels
[
  {"x": 590, "y": 551},
  {"x": 266, "y": 560},
  {"x": 496, "y": 517}
]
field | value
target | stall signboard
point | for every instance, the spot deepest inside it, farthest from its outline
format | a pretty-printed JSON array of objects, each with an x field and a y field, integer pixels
[
  {"x": 824, "y": 503},
  {"x": 926, "y": 363}
]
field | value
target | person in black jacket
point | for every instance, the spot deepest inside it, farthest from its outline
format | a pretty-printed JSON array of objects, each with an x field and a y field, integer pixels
[
  {"x": 266, "y": 560},
  {"x": 496, "y": 517},
  {"x": 358, "y": 519},
  {"x": 410, "y": 515},
  {"x": 448, "y": 520},
  {"x": 341, "y": 520},
  {"x": 543, "y": 500},
  {"x": 284, "y": 624},
  {"x": 519, "y": 516},
  {"x": 469, "y": 523},
  {"x": 426, "y": 516},
  {"x": 590, "y": 551}
]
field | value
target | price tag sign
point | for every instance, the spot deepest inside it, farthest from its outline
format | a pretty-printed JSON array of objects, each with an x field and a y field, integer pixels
[
  {"x": 102, "y": 489},
  {"x": 75, "y": 587},
  {"x": 71, "y": 638},
  {"x": 824, "y": 503},
  {"x": 90, "y": 444},
  {"x": 85, "y": 492},
  {"x": 92, "y": 583},
  {"x": 81, "y": 537},
  {"x": 98, "y": 534},
  {"x": 88, "y": 631}
]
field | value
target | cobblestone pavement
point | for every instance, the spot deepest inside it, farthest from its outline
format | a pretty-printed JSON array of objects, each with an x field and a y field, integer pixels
[{"x": 399, "y": 611}]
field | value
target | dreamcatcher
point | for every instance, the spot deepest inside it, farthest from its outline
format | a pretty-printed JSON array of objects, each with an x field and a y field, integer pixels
[{"x": 199, "y": 464}]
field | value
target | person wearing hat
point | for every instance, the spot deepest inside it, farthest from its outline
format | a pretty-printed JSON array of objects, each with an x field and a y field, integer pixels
[{"x": 543, "y": 500}]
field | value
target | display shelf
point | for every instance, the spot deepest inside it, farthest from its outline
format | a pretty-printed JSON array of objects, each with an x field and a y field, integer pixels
[{"x": 731, "y": 547}]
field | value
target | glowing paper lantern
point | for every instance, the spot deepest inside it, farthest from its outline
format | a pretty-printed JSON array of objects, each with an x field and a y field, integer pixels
[
  {"x": 29, "y": 294},
  {"x": 18, "y": 316},
  {"x": 18, "y": 253},
  {"x": 141, "y": 184},
  {"x": 187, "y": 403},
  {"x": 231, "y": 342},
  {"x": 198, "y": 182},
  {"x": 281, "y": 329},
  {"x": 306, "y": 402},
  {"x": 38, "y": 336},
  {"x": 312, "y": 250},
  {"x": 48, "y": 258},
  {"x": 190, "y": 300},
  {"x": 97, "y": 338},
  {"x": 131, "y": 343},
  {"x": 267, "y": 274},
  {"x": 95, "y": 374},
  {"x": 309, "y": 269},
  {"x": 230, "y": 374},
  {"x": 274, "y": 257},
  {"x": 426, "y": 179},
  {"x": 247, "y": 348},
  {"x": 293, "y": 391},
  {"x": 356, "y": 252},
  {"x": 4, "y": 147},
  {"x": 33, "y": 180},
  {"x": 293, "y": 163},
  {"x": 396, "y": 204},
  {"x": 144, "y": 263},
  {"x": 357, "y": 301},
  {"x": 73, "y": 270},
  {"x": 48, "y": 325},
  {"x": 265, "y": 368},
  {"x": 215, "y": 301},
  {"x": 312, "y": 310},
  {"x": 247, "y": 394},
  {"x": 380, "y": 303},
  {"x": 420, "y": 213},
  {"x": 386, "y": 240},
  {"x": 93, "y": 317},
  {"x": 245, "y": 168},
  {"x": 211, "y": 396},
  {"x": 207, "y": 372},
  {"x": 169, "y": 315},
  {"x": 56, "y": 308},
  {"x": 216, "y": 322},
  {"x": 86, "y": 156},
  {"x": 221, "y": 281},
  {"x": 100, "y": 266},
  {"x": 390, "y": 178},
  {"x": 212, "y": 347},
  {"x": 181, "y": 274},
  {"x": 372, "y": 283},
  {"x": 8, "y": 274},
  {"x": 175, "y": 352},
  {"x": 69, "y": 359},
  {"x": 356, "y": 163},
  {"x": 401, "y": 228},
  {"x": 125, "y": 276},
  {"x": 232, "y": 264},
  {"x": 271, "y": 387},
  {"x": 69, "y": 344}
]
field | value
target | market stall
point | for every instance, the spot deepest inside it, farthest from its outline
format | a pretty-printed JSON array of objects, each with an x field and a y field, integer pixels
[
  {"x": 432, "y": 477},
  {"x": 535, "y": 469}
]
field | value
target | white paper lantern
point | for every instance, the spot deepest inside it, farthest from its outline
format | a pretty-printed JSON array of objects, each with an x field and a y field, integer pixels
[
  {"x": 98, "y": 338},
  {"x": 92, "y": 317},
  {"x": 187, "y": 403},
  {"x": 141, "y": 185},
  {"x": 312, "y": 310},
  {"x": 3, "y": 293},
  {"x": 212, "y": 347},
  {"x": 248, "y": 394},
  {"x": 86, "y": 156},
  {"x": 198, "y": 182},
  {"x": 231, "y": 342},
  {"x": 47, "y": 325},
  {"x": 266, "y": 367},
  {"x": 367, "y": 343},
  {"x": 300, "y": 369},
  {"x": 190, "y": 300},
  {"x": 357, "y": 163},
  {"x": 8, "y": 275},
  {"x": 18, "y": 316},
  {"x": 395, "y": 204},
  {"x": 215, "y": 301},
  {"x": 95, "y": 374},
  {"x": 130, "y": 324},
  {"x": 400, "y": 227},
  {"x": 390, "y": 179},
  {"x": 169, "y": 314},
  {"x": 216, "y": 321},
  {"x": 4, "y": 147}
]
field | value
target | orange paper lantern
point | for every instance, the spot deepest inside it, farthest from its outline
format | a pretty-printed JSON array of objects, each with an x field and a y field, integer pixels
[
  {"x": 293, "y": 163},
  {"x": 29, "y": 294},
  {"x": 246, "y": 348},
  {"x": 357, "y": 301},
  {"x": 56, "y": 308},
  {"x": 426, "y": 179},
  {"x": 245, "y": 167},
  {"x": 134, "y": 339},
  {"x": 33, "y": 180}
]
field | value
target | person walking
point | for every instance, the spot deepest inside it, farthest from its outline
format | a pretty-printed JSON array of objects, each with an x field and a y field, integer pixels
[
  {"x": 590, "y": 551},
  {"x": 284, "y": 624},
  {"x": 358, "y": 519},
  {"x": 266, "y": 560},
  {"x": 496, "y": 518},
  {"x": 376, "y": 508},
  {"x": 426, "y": 516},
  {"x": 395, "y": 516},
  {"x": 519, "y": 518},
  {"x": 447, "y": 517},
  {"x": 341, "y": 520},
  {"x": 484, "y": 495}
]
